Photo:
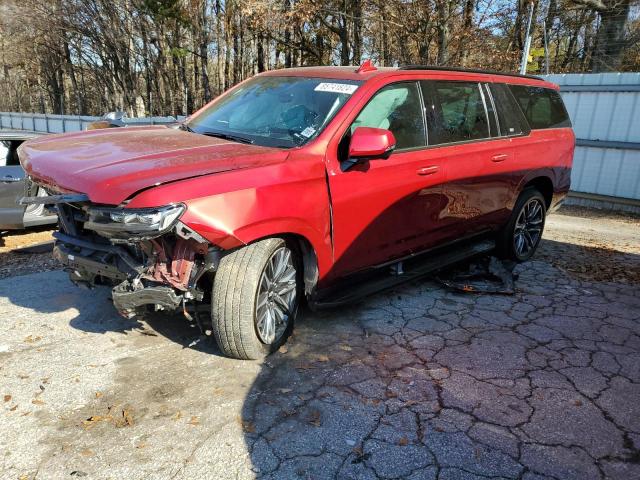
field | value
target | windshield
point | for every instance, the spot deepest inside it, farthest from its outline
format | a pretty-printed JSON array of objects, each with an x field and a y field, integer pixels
[{"x": 275, "y": 111}]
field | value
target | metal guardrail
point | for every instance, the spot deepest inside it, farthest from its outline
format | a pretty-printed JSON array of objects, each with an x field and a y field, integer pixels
[{"x": 45, "y": 123}]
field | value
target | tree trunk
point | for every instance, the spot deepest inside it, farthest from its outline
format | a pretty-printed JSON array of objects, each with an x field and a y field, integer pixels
[
  {"x": 467, "y": 16},
  {"x": 260, "y": 52},
  {"x": 357, "y": 31},
  {"x": 443, "y": 8},
  {"x": 610, "y": 38}
]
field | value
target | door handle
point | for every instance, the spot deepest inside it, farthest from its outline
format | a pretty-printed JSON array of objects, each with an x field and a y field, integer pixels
[
  {"x": 428, "y": 170},
  {"x": 9, "y": 179},
  {"x": 501, "y": 157}
]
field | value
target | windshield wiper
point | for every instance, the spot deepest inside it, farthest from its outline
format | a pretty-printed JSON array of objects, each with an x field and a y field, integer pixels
[{"x": 227, "y": 136}]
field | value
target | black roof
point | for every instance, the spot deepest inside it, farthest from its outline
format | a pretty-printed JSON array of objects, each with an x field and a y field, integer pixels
[{"x": 468, "y": 70}]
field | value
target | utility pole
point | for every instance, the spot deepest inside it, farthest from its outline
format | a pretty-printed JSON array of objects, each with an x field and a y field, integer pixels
[{"x": 527, "y": 43}]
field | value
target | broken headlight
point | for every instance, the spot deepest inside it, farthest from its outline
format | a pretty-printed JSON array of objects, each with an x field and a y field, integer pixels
[{"x": 129, "y": 223}]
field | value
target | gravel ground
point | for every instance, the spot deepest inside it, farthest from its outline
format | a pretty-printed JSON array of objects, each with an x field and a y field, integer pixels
[
  {"x": 13, "y": 263},
  {"x": 420, "y": 382}
]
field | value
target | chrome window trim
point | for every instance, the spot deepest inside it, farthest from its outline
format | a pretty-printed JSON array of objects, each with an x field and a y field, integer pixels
[
  {"x": 495, "y": 110},
  {"x": 486, "y": 112}
]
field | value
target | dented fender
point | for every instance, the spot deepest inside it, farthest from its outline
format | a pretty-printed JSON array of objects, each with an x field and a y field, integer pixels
[{"x": 232, "y": 209}]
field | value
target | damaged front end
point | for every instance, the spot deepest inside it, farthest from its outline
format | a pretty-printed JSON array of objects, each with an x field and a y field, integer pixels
[{"x": 151, "y": 259}]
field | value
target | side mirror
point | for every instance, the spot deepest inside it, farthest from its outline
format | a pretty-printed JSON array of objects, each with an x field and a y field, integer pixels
[{"x": 369, "y": 143}]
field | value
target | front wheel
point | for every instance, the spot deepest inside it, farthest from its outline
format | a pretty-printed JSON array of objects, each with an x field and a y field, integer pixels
[
  {"x": 255, "y": 298},
  {"x": 520, "y": 238}
]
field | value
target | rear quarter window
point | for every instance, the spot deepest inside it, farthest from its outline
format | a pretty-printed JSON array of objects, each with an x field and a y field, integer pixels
[
  {"x": 512, "y": 120},
  {"x": 542, "y": 107}
]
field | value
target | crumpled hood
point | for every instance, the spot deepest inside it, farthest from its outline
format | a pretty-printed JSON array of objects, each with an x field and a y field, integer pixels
[{"x": 110, "y": 165}]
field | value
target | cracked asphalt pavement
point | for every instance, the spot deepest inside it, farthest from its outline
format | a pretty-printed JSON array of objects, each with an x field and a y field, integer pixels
[{"x": 420, "y": 382}]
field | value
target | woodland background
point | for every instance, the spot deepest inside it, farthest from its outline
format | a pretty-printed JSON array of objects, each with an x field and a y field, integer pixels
[{"x": 169, "y": 57}]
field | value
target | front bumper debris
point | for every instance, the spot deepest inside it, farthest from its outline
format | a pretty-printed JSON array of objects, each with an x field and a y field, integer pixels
[
  {"x": 163, "y": 273},
  {"x": 83, "y": 270},
  {"x": 129, "y": 298}
]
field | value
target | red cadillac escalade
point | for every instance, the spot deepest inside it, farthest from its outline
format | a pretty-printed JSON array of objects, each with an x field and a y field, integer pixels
[{"x": 320, "y": 184}]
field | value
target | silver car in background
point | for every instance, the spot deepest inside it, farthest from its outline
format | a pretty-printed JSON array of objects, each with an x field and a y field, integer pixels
[{"x": 14, "y": 185}]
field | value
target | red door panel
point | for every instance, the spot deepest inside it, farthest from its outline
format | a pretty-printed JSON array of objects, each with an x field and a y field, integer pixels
[
  {"x": 480, "y": 180},
  {"x": 384, "y": 209}
]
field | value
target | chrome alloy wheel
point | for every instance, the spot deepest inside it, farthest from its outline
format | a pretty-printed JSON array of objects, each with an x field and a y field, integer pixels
[
  {"x": 528, "y": 228},
  {"x": 276, "y": 299}
]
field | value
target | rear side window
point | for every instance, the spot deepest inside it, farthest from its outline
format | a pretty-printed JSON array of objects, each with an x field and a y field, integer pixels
[
  {"x": 542, "y": 107},
  {"x": 455, "y": 112},
  {"x": 396, "y": 107},
  {"x": 510, "y": 117}
]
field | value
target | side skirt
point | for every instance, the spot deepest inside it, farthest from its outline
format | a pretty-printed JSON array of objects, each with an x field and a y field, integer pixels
[{"x": 356, "y": 287}]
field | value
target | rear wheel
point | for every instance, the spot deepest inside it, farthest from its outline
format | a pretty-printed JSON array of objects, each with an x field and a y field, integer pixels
[
  {"x": 255, "y": 299},
  {"x": 521, "y": 236}
]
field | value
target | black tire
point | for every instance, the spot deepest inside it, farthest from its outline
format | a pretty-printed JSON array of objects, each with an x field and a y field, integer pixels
[
  {"x": 237, "y": 287},
  {"x": 510, "y": 237}
]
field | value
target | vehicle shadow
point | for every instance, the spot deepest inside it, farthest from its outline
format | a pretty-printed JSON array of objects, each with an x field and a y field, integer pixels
[
  {"x": 51, "y": 294},
  {"x": 426, "y": 382}
]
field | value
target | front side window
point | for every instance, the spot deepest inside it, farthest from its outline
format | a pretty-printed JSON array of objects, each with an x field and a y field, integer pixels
[
  {"x": 396, "y": 107},
  {"x": 542, "y": 107},
  {"x": 455, "y": 112},
  {"x": 275, "y": 111}
]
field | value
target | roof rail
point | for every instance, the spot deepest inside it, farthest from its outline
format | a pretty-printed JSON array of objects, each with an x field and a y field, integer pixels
[{"x": 468, "y": 70}]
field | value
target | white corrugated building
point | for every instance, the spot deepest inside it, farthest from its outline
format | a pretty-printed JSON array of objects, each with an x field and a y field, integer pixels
[{"x": 605, "y": 112}]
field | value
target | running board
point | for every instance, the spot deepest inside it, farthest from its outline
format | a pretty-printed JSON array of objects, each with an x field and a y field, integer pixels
[{"x": 414, "y": 268}]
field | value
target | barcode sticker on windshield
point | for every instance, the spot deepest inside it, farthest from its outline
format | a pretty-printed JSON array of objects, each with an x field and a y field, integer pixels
[
  {"x": 336, "y": 88},
  {"x": 308, "y": 132}
]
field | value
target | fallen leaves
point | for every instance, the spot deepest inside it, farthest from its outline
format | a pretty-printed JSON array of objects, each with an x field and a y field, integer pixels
[
  {"x": 127, "y": 418},
  {"x": 403, "y": 442},
  {"x": 91, "y": 421},
  {"x": 314, "y": 418},
  {"x": 248, "y": 427},
  {"x": 32, "y": 339},
  {"x": 360, "y": 456},
  {"x": 283, "y": 349},
  {"x": 118, "y": 417},
  {"x": 37, "y": 401},
  {"x": 87, "y": 452},
  {"x": 194, "y": 421},
  {"x": 7, "y": 398},
  {"x": 323, "y": 358}
]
